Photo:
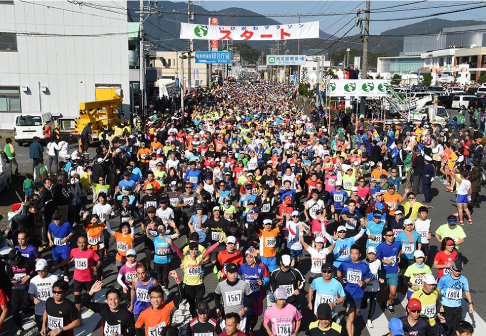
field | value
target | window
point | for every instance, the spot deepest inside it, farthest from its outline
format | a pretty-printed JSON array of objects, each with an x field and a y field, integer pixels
[
  {"x": 10, "y": 99},
  {"x": 28, "y": 121},
  {"x": 8, "y": 42},
  {"x": 6, "y": 2}
]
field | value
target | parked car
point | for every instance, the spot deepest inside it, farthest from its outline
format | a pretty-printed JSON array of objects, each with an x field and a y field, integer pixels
[
  {"x": 27, "y": 126},
  {"x": 460, "y": 100},
  {"x": 477, "y": 102}
]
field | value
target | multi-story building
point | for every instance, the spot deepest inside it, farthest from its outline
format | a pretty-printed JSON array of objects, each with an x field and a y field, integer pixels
[{"x": 54, "y": 54}]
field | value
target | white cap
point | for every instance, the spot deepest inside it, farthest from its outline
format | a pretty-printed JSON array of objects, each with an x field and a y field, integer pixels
[
  {"x": 371, "y": 249},
  {"x": 99, "y": 160},
  {"x": 354, "y": 189},
  {"x": 356, "y": 163},
  {"x": 407, "y": 221},
  {"x": 339, "y": 183},
  {"x": 429, "y": 279},
  {"x": 295, "y": 213},
  {"x": 267, "y": 221},
  {"x": 427, "y": 158},
  {"x": 286, "y": 260},
  {"x": 341, "y": 228},
  {"x": 398, "y": 212},
  {"x": 418, "y": 254},
  {"x": 319, "y": 239},
  {"x": 269, "y": 162},
  {"x": 249, "y": 174},
  {"x": 41, "y": 265},
  {"x": 231, "y": 240},
  {"x": 131, "y": 252}
]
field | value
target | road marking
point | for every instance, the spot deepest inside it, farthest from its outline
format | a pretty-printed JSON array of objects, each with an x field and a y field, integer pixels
[
  {"x": 380, "y": 322},
  {"x": 90, "y": 319},
  {"x": 476, "y": 320}
]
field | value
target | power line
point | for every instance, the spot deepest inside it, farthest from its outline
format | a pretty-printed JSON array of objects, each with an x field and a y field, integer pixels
[{"x": 433, "y": 14}]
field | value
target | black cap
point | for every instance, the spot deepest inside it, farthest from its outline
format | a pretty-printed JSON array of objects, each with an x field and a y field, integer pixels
[
  {"x": 193, "y": 245},
  {"x": 14, "y": 254},
  {"x": 326, "y": 267},
  {"x": 457, "y": 265},
  {"x": 324, "y": 312},
  {"x": 231, "y": 268},
  {"x": 202, "y": 307},
  {"x": 199, "y": 207}
]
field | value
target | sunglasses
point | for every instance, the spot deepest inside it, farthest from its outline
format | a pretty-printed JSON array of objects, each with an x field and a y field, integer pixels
[
  {"x": 188, "y": 187},
  {"x": 327, "y": 272},
  {"x": 193, "y": 249},
  {"x": 341, "y": 231},
  {"x": 415, "y": 310},
  {"x": 390, "y": 235},
  {"x": 57, "y": 292},
  {"x": 411, "y": 198}
]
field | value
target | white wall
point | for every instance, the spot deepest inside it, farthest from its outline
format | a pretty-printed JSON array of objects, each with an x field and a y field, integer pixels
[{"x": 68, "y": 66}]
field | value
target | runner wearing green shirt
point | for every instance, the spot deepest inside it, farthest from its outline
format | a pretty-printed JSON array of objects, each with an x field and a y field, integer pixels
[
  {"x": 461, "y": 119},
  {"x": 452, "y": 230}
]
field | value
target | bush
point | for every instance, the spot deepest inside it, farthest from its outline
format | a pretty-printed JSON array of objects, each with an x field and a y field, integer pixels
[
  {"x": 396, "y": 79},
  {"x": 427, "y": 80},
  {"x": 481, "y": 79}
]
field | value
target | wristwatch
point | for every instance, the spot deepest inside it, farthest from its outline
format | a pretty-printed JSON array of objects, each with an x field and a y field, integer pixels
[{"x": 61, "y": 329}]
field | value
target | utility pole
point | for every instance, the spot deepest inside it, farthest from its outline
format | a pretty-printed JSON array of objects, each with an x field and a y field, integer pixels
[
  {"x": 209, "y": 66},
  {"x": 189, "y": 49},
  {"x": 141, "y": 63},
  {"x": 364, "y": 67},
  {"x": 298, "y": 48}
]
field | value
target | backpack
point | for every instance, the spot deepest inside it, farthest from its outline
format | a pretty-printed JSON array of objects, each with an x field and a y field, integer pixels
[{"x": 43, "y": 172}]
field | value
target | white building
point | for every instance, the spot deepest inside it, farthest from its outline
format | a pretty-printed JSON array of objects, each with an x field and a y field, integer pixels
[{"x": 53, "y": 54}]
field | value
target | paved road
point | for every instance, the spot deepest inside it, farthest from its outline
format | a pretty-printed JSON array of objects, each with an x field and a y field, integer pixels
[{"x": 472, "y": 253}]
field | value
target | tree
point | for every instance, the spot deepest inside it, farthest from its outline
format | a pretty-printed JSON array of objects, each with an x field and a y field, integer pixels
[
  {"x": 378, "y": 76},
  {"x": 427, "y": 80},
  {"x": 396, "y": 79},
  {"x": 482, "y": 79}
]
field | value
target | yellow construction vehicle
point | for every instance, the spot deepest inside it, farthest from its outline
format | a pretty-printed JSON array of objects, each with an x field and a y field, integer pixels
[{"x": 103, "y": 113}]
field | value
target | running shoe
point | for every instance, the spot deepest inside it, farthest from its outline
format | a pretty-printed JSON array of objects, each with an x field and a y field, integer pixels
[
  {"x": 20, "y": 332},
  {"x": 460, "y": 222},
  {"x": 391, "y": 309},
  {"x": 455, "y": 214},
  {"x": 369, "y": 324},
  {"x": 469, "y": 221}
]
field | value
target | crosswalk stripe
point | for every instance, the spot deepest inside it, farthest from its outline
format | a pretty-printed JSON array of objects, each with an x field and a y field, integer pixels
[{"x": 90, "y": 319}]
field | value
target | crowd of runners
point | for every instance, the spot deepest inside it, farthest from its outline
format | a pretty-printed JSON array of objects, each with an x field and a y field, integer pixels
[{"x": 247, "y": 185}]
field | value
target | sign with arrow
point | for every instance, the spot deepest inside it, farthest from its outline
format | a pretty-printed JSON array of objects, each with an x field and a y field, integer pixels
[{"x": 286, "y": 59}]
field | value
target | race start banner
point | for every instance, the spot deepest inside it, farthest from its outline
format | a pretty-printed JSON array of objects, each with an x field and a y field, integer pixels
[
  {"x": 357, "y": 87},
  {"x": 250, "y": 33}
]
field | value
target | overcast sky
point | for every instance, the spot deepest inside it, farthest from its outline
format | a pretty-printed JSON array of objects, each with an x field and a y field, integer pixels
[{"x": 331, "y": 24}]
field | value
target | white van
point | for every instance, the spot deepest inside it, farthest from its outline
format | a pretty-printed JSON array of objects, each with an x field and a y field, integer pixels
[
  {"x": 460, "y": 100},
  {"x": 27, "y": 126}
]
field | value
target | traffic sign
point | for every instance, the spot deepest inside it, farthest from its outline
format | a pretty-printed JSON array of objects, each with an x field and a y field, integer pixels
[
  {"x": 213, "y": 57},
  {"x": 286, "y": 59}
]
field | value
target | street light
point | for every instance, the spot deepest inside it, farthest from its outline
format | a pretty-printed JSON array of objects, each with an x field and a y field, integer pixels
[{"x": 347, "y": 56}]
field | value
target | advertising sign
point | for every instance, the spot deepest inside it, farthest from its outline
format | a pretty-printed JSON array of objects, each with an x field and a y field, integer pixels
[
  {"x": 357, "y": 87},
  {"x": 250, "y": 33},
  {"x": 285, "y": 60},
  {"x": 213, "y": 57}
]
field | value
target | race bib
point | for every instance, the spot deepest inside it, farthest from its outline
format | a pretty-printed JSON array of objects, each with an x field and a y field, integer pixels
[
  {"x": 408, "y": 248},
  {"x": 125, "y": 219},
  {"x": 393, "y": 261},
  {"x": 234, "y": 298},
  {"x": 81, "y": 263},
  {"x": 163, "y": 251},
  {"x": 423, "y": 235},
  {"x": 59, "y": 241},
  {"x": 331, "y": 182},
  {"x": 353, "y": 276},
  {"x": 351, "y": 224},
  {"x": 270, "y": 241},
  {"x": 317, "y": 263},
  {"x": 374, "y": 278},
  {"x": 417, "y": 280},
  {"x": 391, "y": 205},
  {"x": 348, "y": 185},
  {"x": 173, "y": 201},
  {"x": 376, "y": 240},
  {"x": 283, "y": 329},
  {"x": 121, "y": 246},
  {"x": 343, "y": 253},
  {"x": 189, "y": 200},
  {"x": 289, "y": 289},
  {"x": 396, "y": 232},
  {"x": 142, "y": 295},
  {"x": 454, "y": 294},
  {"x": 54, "y": 323},
  {"x": 153, "y": 233},
  {"x": 19, "y": 276},
  {"x": 94, "y": 240},
  {"x": 446, "y": 270},
  {"x": 194, "y": 270},
  {"x": 112, "y": 329},
  {"x": 129, "y": 276},
  {"x": 252, "y": 166},
  {"x": 321, "y": 298},
  {"x": 193, "y": 179},
  {"x": 338, "y": 198},
  {"x": 157, "y": 330},
  {"x": 266, "y": 207},
  {"x": 216, "y": 235},
  {"x": 429, "y": 311},
  {"x": 254, "y": 286},
  {"x": 44, "y": 292}
]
